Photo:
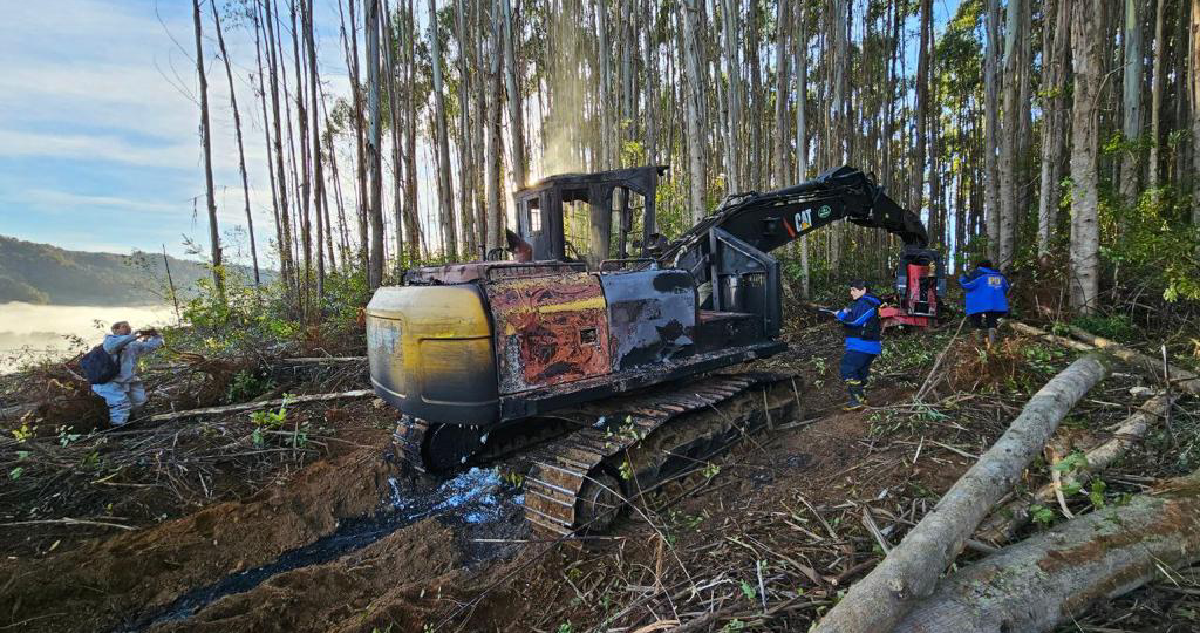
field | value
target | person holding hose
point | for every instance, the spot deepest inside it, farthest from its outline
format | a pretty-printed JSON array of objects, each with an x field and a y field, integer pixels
[{"x": 863, "y": 342}]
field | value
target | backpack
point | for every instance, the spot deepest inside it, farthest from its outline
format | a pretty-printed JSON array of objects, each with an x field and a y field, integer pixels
[{"x": 99, "y": 367}]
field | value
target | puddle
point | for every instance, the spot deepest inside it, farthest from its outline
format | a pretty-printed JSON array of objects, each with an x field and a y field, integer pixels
[{"x": 477, "y": 498}]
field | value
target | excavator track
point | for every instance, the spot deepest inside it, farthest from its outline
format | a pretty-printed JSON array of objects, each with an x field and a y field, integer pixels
[{"x": 629, "y": 446}]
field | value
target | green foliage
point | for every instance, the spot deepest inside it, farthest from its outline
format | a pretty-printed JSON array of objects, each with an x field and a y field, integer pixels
[
  {"x": 749, "y": 591},
  {"x": 734, "y": 626},
  {"x": 1041, "y": 515},
  {"x": 248, "y": 384},
  {"x": 1096, "y": 492},
  {"x": 1114, "y": 326},
  {"x": 1075, "y": 461},
  {"x": 1154, "y": 242},
  {"x": 16, "y": 473}
]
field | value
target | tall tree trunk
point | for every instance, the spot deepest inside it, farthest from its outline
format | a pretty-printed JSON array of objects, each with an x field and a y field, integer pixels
[
  {"x": 1055, "y": 50},
  {"x": 695, "y": 108},
  {"x": 445, "y": 188},
  {"x": 992, "y": 140},
  {"x": 782, "y": 81},
  {"x": 237, "y": 126},
  {"x": 412, "y": 220},
  {"x": 395, "y": 114},
  {"x": 1086, "y": 42},
  {"x": 286, "y": 262},
  {"x": 801, "y": 63},
  {"x": 364, "y": 234},
  {"x": 1156, "y": 89},
  {"x": 374, "y": 158},
  {"x": 494, "y": 147},
  {"x": 214, "y": 232},
  {"x": 1009, "y": 131},
  {"x": 516, "y": 121},
  {"x": 466, "y": 181},
  {"x": 1132, "y": 100},
  {"x": 262, "y": 98},
  {"x": 314, "y": 80},
  {"x": 733, "y": 89},
  {"x": 918, "y": 169},
  {"x": 1194, "y": 63}
]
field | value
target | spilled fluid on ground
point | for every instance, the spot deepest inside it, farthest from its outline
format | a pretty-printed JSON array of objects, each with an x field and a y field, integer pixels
[{"x": 476, "y": 497}]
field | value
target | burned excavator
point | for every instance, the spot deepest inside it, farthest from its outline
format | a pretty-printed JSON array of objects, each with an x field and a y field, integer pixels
[{"x": 607, "y": 369}]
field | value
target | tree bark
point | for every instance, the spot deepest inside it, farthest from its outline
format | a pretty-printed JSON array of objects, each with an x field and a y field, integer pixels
[
  {"x": 445, "y": 188},
  {"x": 991, "y": 130},
  {"x": 1194, "y": 64},
  {"x": 1086, "y": 40},
  {"x": 237, "y": 127},
  {"x": 495, "y": 148},
  {"x": 801, "y": 63},
  {"x": 214, "y": 232},
  {"x": 1008, "y": 134},
  {"x": 1035, "y": 584},
  {"x": 782, "y": 80},
  {"x": 1054, "y": 53},
  {"x": 1131, "y": 105},
  {"x": 695, "y": 108},
  {"x": 1002, "y": 524},
  {"x": 374, "y": 157},
  {"x": 1156, "y": 89},
  {"x": 910, "y": 571},
  {"x": 318, "y": 181}
]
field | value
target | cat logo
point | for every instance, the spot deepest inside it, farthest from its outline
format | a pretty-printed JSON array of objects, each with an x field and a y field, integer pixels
[
  {"x": 803, "y": 219},
  {"x": 824, "y": 211}
]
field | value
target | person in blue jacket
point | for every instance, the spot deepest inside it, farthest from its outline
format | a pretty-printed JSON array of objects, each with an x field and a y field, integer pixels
[
  {"x": 987, "y": 299},
  {"x": 863, "y": 341}
]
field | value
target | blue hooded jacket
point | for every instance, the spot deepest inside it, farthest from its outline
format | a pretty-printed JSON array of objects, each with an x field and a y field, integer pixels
[
  {"x": 987, "y": 291},
  {"x": 863, "y": 326}
]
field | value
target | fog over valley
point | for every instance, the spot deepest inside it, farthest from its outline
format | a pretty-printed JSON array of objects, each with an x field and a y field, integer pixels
[{"x": 34, "y": 332}]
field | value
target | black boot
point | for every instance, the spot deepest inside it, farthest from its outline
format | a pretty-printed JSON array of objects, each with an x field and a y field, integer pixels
[{"x": 855, "y": 391}]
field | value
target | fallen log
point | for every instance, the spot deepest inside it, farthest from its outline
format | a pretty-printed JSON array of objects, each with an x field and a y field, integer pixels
[
  {"x": 1180, "y": 378},
  {"x": 251, "y": 406},
  {"x": 322, "y": 360},
  {"x": 910, "y": 571},
  {"x": 1004, "y": 522},
  {"x": 1039, "y": 582}
]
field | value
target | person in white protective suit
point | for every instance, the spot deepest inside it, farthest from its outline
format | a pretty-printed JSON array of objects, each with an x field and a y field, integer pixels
[{"x": 126, "y": 392}]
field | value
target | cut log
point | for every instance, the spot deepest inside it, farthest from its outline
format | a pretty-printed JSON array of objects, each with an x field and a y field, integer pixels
[
  {"x": 1039, "y": 582},
  {"x": 1181, "y": 379},
  {"x": 908, "y": 574},
  {"x": 251, "y": 406},
  {"x": 1004, "y": 522},
  {"x": 322, "y": 360}
]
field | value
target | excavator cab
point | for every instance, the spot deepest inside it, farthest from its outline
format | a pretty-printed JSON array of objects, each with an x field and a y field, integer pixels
[{"x": 594, "y": 218}]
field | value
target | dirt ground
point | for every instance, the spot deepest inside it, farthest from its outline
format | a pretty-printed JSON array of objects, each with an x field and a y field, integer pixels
[{"x": 764, "y": 538}]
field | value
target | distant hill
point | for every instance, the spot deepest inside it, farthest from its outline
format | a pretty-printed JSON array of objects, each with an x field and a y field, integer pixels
[{"x": 45, "y": 274}]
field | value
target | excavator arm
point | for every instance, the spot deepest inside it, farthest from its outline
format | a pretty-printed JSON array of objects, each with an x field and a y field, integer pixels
[{"x": 728, "y": 252}]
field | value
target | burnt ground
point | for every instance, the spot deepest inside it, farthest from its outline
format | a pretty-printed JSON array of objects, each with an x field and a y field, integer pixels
[{"x": 314, "y": 529}]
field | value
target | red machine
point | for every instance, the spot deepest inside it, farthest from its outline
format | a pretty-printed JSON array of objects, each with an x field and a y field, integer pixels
[{"x": 920, "y": 284}]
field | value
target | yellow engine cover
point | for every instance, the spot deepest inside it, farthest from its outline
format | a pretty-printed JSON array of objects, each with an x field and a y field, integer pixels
[{"x": 430, "y": 351}]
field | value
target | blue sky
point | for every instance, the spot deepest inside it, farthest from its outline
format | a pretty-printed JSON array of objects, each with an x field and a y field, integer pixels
[{"x": 99, "y": 129}]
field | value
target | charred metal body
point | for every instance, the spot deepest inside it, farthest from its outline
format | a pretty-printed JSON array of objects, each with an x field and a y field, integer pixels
[{"x": 489, "y": 355}]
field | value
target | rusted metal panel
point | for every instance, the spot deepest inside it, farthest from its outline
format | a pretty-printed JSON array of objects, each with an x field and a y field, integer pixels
[
  {"x": 652, "y": 316},
  {"x": 549, "y": 330}
]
